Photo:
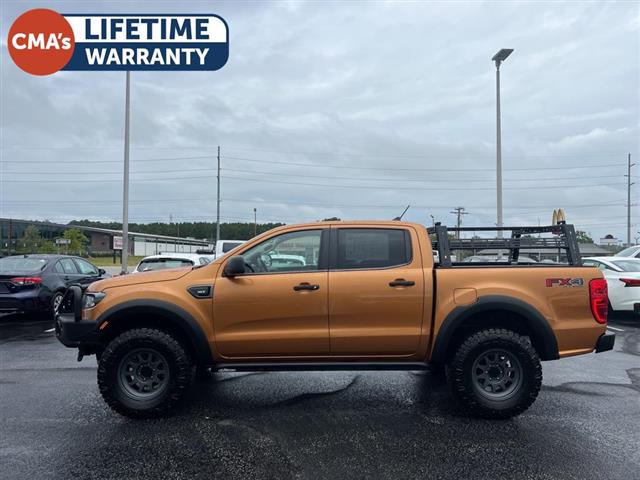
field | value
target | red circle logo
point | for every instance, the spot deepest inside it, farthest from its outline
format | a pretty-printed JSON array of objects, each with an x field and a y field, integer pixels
[{"x": 41, "y": 41}]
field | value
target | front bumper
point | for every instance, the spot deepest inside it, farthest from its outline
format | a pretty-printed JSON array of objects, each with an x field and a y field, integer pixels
[
  {"x": 605, "y": 342},
  {"x": 77, "y": 334},
  {"x": 71, "y": 330}
]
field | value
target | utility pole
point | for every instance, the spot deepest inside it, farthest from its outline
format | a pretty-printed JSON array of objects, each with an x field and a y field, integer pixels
[
  {"x": 459, "y": 211},
  {"x": 498, "y": 58},
  {"x": 255, "y": 221},
  {"x": 629, "y": 183},
  {"x": 218, "y": 202},
  {"x": 10, "y": 236},
  {"x": 125, "y": 186}
]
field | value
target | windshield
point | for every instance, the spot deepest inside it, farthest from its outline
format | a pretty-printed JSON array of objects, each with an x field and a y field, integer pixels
[
  {"x": 163, "y": 263},
  {"x": 628, "y": 252},
  {"x": 228, "y": 246},
  {"x": 627, "y": 265},
  {"x": 21, "y": 264}
]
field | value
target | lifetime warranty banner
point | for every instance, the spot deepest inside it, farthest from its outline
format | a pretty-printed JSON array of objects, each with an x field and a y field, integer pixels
[{"x": 42, "y": 42}]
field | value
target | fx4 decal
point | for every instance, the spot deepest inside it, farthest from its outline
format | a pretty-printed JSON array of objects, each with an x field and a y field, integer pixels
[{"x": 564, "y": 282}]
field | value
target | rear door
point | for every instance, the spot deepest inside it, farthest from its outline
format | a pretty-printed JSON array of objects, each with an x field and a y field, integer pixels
[
  {"x": 67, "y": 271},
  {"x": 376, "y": 291}
]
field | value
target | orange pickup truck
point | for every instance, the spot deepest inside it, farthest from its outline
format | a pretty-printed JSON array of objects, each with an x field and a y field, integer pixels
[{"x": 346, "y": 295}]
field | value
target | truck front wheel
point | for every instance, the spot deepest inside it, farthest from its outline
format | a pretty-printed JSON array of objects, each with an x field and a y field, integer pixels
[
  {"x": 143, "y": 373},
  {"x": 495, "y": 373}
]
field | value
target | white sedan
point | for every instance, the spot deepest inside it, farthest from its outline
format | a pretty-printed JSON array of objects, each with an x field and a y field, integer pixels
[
  {"x": 623, "y": 281},
  {"x": 172, "y": 260},
  {"x": 633, "y": 252}
]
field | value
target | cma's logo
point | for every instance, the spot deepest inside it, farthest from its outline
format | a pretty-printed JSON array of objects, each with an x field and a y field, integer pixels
[{"x": 564, "y": 282}]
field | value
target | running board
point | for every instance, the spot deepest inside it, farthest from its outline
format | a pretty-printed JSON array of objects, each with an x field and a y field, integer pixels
[{"x": 318, "y": 366}]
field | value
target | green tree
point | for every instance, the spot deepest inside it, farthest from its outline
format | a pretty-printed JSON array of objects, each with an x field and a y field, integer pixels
[
  {"x": 583, "y": 237},
  {"x": 32, "y": 242},
  {"x": 77, "y": 241}
]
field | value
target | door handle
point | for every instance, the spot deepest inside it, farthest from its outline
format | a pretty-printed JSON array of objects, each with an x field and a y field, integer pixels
[
  {"x": 306, "y": 286},
  {"x": 401, "y": 282}
]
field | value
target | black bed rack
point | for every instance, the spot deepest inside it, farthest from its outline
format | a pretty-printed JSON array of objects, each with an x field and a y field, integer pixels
[{"x": 564, "y": 239}]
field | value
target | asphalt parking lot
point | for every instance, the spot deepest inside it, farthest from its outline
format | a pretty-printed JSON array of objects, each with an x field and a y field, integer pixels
[{"x": 54, "y": 424}]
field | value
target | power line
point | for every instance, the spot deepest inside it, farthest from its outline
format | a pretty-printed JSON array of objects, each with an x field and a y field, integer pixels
[
  {"x": 311, "y": 165},
  {"x": 318, "y": 153},
  {"x": 382, "y": 187},
  {"x": 289, "y": 174}
]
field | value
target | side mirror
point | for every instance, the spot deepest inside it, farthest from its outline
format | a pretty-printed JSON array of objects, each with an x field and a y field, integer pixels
[
  {"x": 101, "y": 271},
  {"x": 234, "y": 266}
]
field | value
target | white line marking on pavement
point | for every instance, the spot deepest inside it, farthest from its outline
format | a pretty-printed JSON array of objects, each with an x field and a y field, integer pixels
[
  {"x": 614, "y": 328},
  {"x": 50, "y": 330}
]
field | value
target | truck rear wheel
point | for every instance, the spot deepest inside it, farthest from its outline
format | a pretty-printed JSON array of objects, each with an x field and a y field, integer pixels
[
  {"x": 143, "y": 373},
  {"x": 495, "y": 373}
]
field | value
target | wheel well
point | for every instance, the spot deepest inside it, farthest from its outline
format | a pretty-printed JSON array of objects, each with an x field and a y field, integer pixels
[
  {"x": 161, "y": 319},
  {"x": 497, "y": 318}
]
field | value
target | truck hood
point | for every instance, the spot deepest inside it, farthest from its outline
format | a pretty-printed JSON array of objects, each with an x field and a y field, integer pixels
[{"x": 138, "y": 278}]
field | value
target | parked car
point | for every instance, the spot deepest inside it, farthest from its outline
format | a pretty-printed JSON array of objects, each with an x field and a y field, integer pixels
[
  {"x": 172, "y": 260},
  {"x": 225, "y": 246},
  {"x": 368, "y": 297},
  {"x": 36, "y": 283},
  {"x": 623, "y": 281},
  {"x": 489, "y": 259},
  {"x": 286, "y": 262},
  {"x": 633, "y": 252}
]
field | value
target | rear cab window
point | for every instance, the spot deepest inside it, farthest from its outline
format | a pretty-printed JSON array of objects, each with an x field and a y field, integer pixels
[{"x": 367, "y": 248}]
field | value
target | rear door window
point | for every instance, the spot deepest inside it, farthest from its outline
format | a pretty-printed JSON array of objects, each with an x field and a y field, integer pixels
[
  {"x": 361, "y": 248},
  {"x": 67, "y": 267}
]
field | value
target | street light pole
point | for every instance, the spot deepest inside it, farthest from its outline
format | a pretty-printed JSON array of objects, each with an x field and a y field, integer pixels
[
  {"x": 125, "y": 186},
  {"x": 498, "y": 58},
  {"x": 218, "y": 202},
  {"x": 629, "y": 183},
  {"x": 255, "y": 221}
]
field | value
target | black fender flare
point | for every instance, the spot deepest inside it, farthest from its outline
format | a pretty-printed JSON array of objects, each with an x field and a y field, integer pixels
[
  {"x": 176, "y": 316},
  {"x": 541, "y": 332}
]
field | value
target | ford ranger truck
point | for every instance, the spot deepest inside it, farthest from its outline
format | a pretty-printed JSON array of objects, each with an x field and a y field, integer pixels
[{"x": 367, "y": 296}]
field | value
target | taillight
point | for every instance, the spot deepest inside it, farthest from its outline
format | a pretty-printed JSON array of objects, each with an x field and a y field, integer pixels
[
  {"x": 631, "y": 282},
  {"x": 599, "y": 299},
  {"x": 22, "y": 281}
]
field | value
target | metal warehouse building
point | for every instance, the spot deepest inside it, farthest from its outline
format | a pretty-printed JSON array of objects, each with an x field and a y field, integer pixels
[{"x": 100, "y": 239}]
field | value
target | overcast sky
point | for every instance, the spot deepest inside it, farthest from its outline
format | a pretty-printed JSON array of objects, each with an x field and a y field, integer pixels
[{"x": 346, "y": 109}]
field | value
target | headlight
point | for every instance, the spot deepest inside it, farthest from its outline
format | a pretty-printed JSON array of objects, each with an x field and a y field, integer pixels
[{"x": 90, "y": 300}]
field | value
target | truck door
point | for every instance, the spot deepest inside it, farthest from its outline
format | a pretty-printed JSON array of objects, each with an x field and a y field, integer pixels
[
  {"x": 279, "y": 307},
  {"x": 376, "y": 291}
]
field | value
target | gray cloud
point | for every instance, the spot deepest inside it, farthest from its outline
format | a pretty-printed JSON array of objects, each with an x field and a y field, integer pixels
[{"x": 402, "y": 87}]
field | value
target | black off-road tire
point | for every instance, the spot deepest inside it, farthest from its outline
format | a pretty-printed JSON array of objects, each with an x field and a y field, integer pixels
[
  {"x": 113, "y": 380},
  {"x": 466, "y": 386}
]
